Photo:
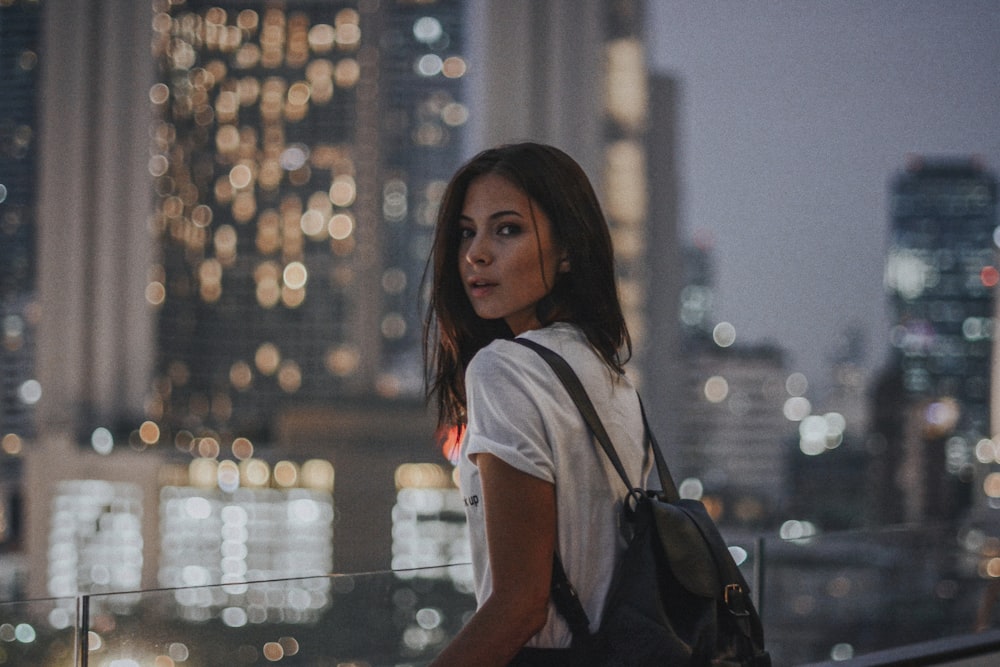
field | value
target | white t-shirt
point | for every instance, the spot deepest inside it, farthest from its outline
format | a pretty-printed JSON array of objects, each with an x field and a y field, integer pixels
[{"x": 519, "y": 412}]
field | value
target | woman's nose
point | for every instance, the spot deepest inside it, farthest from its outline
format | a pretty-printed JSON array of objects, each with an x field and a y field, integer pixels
[{"x": 477, "y": 251}]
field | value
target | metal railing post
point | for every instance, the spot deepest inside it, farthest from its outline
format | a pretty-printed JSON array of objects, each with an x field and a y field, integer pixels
[
  {"x": 757, "y": 588},
  {"x": 83, "y": 617}
]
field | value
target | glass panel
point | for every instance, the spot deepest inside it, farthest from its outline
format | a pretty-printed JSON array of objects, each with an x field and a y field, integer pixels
[
  {"x": 383, "y": 618},
  {"x": 39, "y": 632},
  {"x": 837, "y": 596},
  {"x": 822, "y": 597}
]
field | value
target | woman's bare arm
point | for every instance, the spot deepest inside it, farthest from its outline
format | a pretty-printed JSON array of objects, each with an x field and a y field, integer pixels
[{"x": 520, "y": 514}]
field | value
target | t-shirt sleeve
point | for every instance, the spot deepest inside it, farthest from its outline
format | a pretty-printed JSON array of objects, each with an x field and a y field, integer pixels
[{"x": 505, "y": 419}]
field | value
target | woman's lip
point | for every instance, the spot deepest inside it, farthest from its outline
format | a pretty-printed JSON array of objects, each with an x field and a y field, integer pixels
[{"x": 478, "y": 289}]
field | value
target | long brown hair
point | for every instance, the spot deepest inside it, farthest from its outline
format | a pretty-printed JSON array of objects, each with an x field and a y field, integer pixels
[{"x": 586, "y": 295}]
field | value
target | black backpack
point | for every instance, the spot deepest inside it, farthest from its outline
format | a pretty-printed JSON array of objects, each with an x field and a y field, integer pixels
[{"x": 678, "y": 597}]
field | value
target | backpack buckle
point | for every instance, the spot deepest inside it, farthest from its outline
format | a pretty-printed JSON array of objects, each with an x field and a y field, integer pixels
[{"x": 735, "y": 600}]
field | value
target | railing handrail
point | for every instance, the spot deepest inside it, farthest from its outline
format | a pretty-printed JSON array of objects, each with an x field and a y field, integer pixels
[
  {"x": 243, "y": 582},
  {"x": 932, "y": 652}
]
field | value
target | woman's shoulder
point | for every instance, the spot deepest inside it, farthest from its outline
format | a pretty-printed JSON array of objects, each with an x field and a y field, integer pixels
[
  {"x": 559, "y": 336},
  {"x": 503, "y": 356},
  {"x": 571, "y": 343}
]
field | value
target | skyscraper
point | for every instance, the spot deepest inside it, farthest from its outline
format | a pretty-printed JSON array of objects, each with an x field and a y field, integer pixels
[
  {"x": 301, "y": 155},
  {"x": 941, "y": 274},
  {"x": 20, "y": 28},
  {"x": 734, "y": 438},
  {"x": 573, "y": 73},
  {"x": 733, "y": 433}
]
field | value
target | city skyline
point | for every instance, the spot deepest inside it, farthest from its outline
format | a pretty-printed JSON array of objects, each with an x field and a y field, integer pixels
[
  {"x": 793, "y": 120},
  {"x": 164, "y": 512}
]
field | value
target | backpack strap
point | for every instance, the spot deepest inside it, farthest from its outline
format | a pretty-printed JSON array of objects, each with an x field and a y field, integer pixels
[
  {"x": 663, "y": 472},
  {"x": 567, "y": 602},
  {"x": 564, "y": 595},
  {"x": 574, "y": 387}
]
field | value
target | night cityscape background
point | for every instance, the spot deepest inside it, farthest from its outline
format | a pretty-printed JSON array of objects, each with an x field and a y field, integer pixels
[
  {"x": 214, "y": 221},
  {"x": 795, "y": 116}
]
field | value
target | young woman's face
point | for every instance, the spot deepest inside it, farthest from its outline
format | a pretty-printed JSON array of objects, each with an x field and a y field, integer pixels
[{"x": 507, "y": 256}]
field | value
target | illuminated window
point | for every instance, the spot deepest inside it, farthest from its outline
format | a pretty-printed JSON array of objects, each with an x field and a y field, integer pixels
[
  {"x": 209, "y": 537},
  {"x": 95, "y": 539},
  {"x": 428, "y": 525}
]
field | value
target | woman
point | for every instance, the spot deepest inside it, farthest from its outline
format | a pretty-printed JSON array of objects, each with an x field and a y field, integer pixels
[{"x": 523, "y": 249}]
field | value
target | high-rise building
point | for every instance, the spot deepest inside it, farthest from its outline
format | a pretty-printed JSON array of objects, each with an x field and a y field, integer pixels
[
  {"x": 827, "y": 485},
  {"x": 942, "y": 275},
  {"x": 20, "y": 29},
  {"x": 734, "y": 432},
  {"x": 300, "y": 159},
  {"x": 20, "y": 26},
  {"x": 297, "y": 152},
  {"x": 665, "y": 267},
  {"x": 573, "y": 73},
  {"x": 734, "y": 435}
]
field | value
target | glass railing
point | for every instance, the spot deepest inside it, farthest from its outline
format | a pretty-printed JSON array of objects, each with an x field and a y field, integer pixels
[
  {"x": 41, "y": 632},
  {"x": 834, "y": 597},
  {"x": 823, "y": 598},
  {"x": 380, "y": 618}
]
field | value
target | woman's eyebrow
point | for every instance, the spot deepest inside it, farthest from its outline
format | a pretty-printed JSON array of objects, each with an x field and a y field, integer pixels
[{"x": 493, "y": 216}]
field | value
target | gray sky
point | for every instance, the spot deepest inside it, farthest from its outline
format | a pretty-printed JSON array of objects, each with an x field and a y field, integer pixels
[{"x": 794, "y": 114}]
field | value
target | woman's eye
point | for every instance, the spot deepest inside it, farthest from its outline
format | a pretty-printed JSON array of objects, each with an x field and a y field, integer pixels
[
  {"x": 509, "y": 229},
  {"x": 465, "y": 233}
]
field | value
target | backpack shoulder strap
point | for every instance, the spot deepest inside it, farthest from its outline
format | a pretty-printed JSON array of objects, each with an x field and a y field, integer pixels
[{"x": 574, "y": 387}]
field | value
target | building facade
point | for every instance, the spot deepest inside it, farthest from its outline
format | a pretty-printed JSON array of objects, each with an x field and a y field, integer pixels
[
  {"x": 20, "y": 30},
  {"x": 299, "y": 163},
  {"x": 734, "y": 435},
  {"x": 941, "y": 275}
]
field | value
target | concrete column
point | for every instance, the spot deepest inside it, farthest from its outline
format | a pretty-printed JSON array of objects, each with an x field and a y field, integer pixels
[{"x": 96, "y": 335}]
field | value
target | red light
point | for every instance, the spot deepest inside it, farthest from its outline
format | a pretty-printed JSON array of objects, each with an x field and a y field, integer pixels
[
  {"x": 990, "y": 276},
  {"x": 450, "y": 440}
]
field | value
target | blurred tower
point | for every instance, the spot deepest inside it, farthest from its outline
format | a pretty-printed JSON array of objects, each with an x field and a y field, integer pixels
[
  {"x": 826, "y": 487},
  {"x": 300, "y": 160},
  {"x": 236, "y": 123},
  {"x": 20, "y": 29},
  {"x": 665, "y": 265},
  {"x": 733, "y": 436},
  {"x": 301, "y": 157},
  {"x": 941, "y": 273},
  {"x": 95, "y": 343},
  {"x": 848, "y": 392},
  {"x": 573, "y": 73}
]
